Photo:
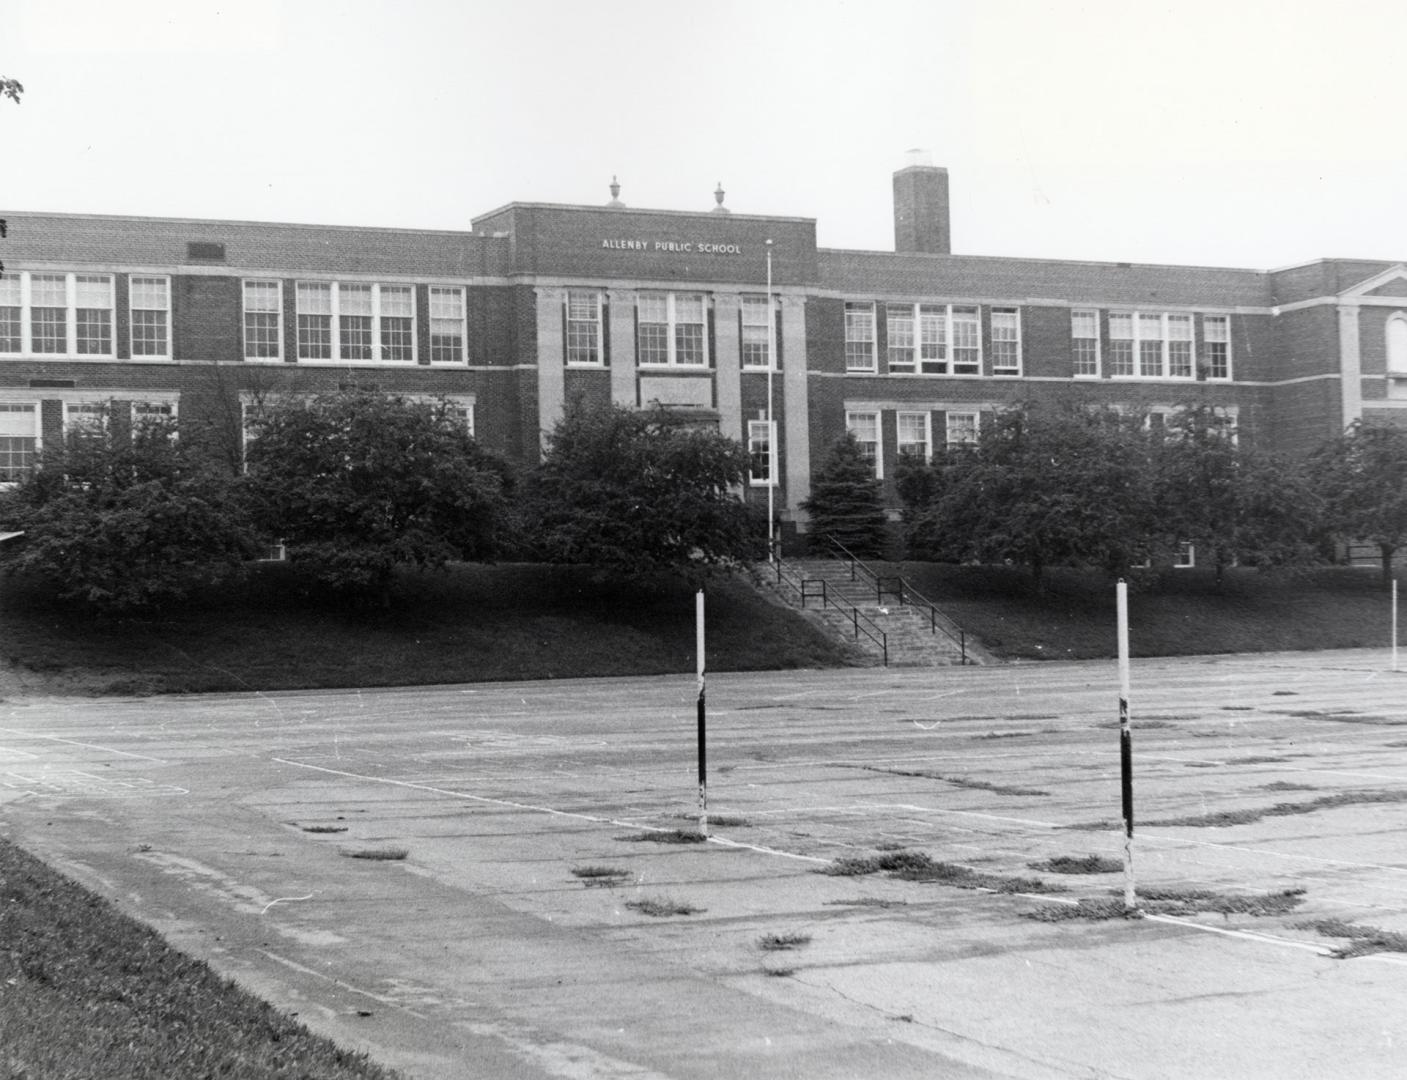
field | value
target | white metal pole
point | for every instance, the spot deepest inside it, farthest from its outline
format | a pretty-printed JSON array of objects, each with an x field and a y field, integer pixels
[
  {"x": 1394, "y": 624},
  {"x": 703, "y": 758},
  {"x": 771, "y": 430},
  {"x": 1126, "y": 745}
]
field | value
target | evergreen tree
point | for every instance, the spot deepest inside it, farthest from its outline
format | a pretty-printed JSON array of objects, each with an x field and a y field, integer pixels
[{"x": 845, "y": 503}]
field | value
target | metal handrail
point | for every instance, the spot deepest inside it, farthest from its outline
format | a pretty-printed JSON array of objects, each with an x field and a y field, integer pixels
[
  {"x": 805, "y": 589},
  {"x": 906, "y": 595}
]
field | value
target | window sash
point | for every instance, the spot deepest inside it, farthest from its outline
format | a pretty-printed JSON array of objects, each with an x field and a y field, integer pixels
[
  {"x": 447, "y": 314},
  {"x": 913, "y": 435},
  {"x": 57, "y": 314},
  {"x": 1006, "y": 341},
  {"x": 149, "y": 300},
  {"x": 1084, "y": 339},
  {"x": 357, "y": 322},
  {"x": 961, "y": 428},
  {"x": 866, "y": 428},
  {"x": 755, "y": 338},
  {"x": 672, "y": 329},
  {"x": 762, "y": 452},
  {"x": 859, "y": 337}
]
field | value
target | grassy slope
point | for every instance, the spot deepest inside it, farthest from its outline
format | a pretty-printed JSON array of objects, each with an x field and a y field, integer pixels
[
  {"x": 1173, "y": 613},
  {"x": 473, "y": 624},
  {"x": 87, "y": 992}
]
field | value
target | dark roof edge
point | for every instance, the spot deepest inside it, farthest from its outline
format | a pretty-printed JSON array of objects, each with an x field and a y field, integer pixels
[
  {"x": 17, "y": 214},
  {"x": 1037, "y": 261},
  {"x": 732, "y": 215}
]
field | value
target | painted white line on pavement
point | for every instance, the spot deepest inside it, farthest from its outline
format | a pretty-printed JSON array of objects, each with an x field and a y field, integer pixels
[{"x": 85, "y": 746}]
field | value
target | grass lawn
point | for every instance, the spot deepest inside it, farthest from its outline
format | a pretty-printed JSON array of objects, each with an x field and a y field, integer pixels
[
  {"x": 472, "y": 624},
  {"x": 1171, "y": 613},
  {"x": 87, "y": 992}
]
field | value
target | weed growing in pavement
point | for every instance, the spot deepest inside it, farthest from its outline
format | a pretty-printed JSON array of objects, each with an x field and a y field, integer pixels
[
  {"x": 779, "y": 942},
  {"x": 1224, "y": 818},
  {"x": 1071, "y": 864},
  {"x": 867, "y": 901},
  {"x": 1157, "y": 901},
  {"x": 667, "y": 836},
  {"x": 1363, "y": 940},
  {"x": 722, "y": 821},
  {"x": 323, "y": 828},
  {"x": 1285, "y": 785},
  {"x": 661, "y": 906},
  {"x": 600, "y": 875},
  {"x": 379, "y": 854},
  {"x": 916, "y": 866}
]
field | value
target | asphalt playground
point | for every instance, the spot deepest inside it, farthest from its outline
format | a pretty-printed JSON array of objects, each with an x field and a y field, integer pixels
[{"x": 504, "y": 943}]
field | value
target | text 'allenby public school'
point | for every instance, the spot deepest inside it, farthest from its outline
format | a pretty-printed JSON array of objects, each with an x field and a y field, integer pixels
[{"x": 702, "y": 247}]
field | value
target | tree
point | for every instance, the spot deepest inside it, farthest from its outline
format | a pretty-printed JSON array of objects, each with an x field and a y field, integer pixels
[
  {"x": 638, "y": 491},
  {"x": 1362, "y": 478},
  {"x": 11, "y": 89},
  {"x": 846, "y": 504},
  {"x": 1233, "y": 504},
  {"x": 1044, "y": 485},
  {"x": 357, "y": 484},
  {"x": 122, "y": 518}
]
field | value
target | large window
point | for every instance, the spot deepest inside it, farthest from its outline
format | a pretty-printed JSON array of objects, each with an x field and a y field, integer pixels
[
  {"x": 937, "y": 339},
  {"x": 859, "y": 337},
  {"x": 1151, "y": 345},
  {"x": 865, "y": 427},
  {"x": 1006, "y": 341},
  {"x": 56, "y": 314},
  {"x": 19, "y": 439},
  {"x": 150, "y": 304},
  {"x": 671, "y": 329},
  {"x": 756, "y": 332},
  {"x": 263, "y": 320},
  {"x": 914, "y": 435},
  {"x": 356, "y": 322},
  {"x": 446, "y": 325},
  {"x": 1216, "y": 346},
  {"x": 584, "y": 328},
  {"x": 961, "y": 428},
  {"x": 1084, "y": 342},
  {"x": 762, "y": 451}
]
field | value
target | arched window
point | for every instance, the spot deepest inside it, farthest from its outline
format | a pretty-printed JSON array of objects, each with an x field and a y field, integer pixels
[{"x": 1397, "y": 344}]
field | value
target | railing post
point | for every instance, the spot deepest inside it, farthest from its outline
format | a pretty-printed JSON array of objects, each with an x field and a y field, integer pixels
[
  {"x": 855, "y": 620},
  {"x": 884, "y": 644},
  {"x": 962, "y": 639}
]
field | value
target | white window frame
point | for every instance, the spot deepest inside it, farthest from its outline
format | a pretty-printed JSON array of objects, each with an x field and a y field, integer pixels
[
  {"x": 160, "y": 408},
  {"x": 852, "y": 416},
  {"x": 70, "y": 308},
  {"x": 672, "y": 325},
  {"x": 861, "y": 358},
  {"x": 748, "y": 333},
  {"x": 765, "y": 433},
  {"x": 461, "y": 321},
  {"x": 931, "y": 348},
  {"x": 1185, "y": 555},
  {"x": 597, "y": 345},
  {"x": 950, "y": 428},
  {"x": 133, "y": 308},
  {"x": 245, "y": 311},
  {"x": 17, "y": 407},
  {"x": 377, "y": 358},
  {"x": 926, "y": 420},
  {"x": 1006, "y": 371},
  {"x": 1208, "y": 340},
  {"x": 77, "y": 411},
  {"x": 1140, "y": 322},
  {"x": 1093, "y": 315}
]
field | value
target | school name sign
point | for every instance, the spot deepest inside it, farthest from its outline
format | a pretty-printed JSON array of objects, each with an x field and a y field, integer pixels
[{"x": 676, "y": 247}]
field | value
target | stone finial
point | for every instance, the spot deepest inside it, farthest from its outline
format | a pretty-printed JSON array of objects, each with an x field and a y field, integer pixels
[
  {"x": 615, "y": 203},
  {"x": 718, "y": 198}
]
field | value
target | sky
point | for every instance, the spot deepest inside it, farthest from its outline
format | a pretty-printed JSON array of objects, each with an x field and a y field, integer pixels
[{"x": 1230, "y": 133}]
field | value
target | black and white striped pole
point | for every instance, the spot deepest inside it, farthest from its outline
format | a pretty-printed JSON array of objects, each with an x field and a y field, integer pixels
[
  {"x": 703, "y": 742},
  {"x": 1126, "y": 746}
]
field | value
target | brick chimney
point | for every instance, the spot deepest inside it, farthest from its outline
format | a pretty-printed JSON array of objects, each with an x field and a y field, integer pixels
[{"x": 921, "y": 207}]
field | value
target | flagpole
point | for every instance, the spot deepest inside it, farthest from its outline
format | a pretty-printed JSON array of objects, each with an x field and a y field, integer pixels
[{"x": 771, "y": 429}]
